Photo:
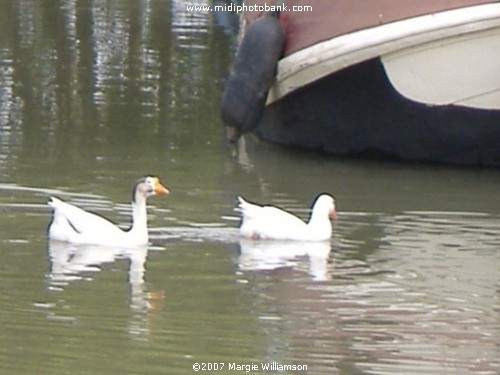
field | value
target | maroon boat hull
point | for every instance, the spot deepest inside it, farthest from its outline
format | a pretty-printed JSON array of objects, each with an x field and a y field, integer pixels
[{"x": 337, "y": 93}]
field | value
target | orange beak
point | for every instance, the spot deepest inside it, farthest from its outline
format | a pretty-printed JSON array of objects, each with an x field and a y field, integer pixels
[
  {"x": 333, "y": 214},
  {"x": 160, "y": 189}
]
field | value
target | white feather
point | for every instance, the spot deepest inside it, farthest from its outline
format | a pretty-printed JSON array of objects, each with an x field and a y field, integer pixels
[
  {"x": 269, "y": 222},
  {"x": 74, "y": 225}
]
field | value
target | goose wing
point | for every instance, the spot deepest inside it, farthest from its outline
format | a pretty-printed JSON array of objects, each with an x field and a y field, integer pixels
[
  {"x": 269, "y": 222},
  {"x": 80, "y": 221}
]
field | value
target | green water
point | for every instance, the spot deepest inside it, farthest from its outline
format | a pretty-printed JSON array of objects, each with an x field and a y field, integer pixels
[{"x": 95, "y": 94}]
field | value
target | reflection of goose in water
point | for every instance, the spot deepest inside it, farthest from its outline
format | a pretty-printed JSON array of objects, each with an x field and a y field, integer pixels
[
  {"x": 270, "y": 255},
  {"x": 69, "y": 262},
  {"x": 418, "y": 293}
]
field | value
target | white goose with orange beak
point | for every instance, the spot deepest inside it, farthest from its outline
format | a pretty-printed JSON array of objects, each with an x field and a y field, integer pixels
[
  {"x": 75, "y": 225},
  {"x": 269, "y": 222}
]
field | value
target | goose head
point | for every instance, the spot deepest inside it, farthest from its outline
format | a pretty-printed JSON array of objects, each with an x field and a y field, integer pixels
[
  {"x": 147, "y": 187},
  {"x": 325, "y": 206}
]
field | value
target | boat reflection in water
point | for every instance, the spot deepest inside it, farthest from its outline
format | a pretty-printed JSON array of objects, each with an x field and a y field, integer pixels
[{"x": 418, "y": 297}]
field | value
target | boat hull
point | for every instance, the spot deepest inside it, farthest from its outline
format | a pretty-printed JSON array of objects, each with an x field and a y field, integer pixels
[
  {"x": 410, "y": 80},
  {"x": 342, "y": 114}
]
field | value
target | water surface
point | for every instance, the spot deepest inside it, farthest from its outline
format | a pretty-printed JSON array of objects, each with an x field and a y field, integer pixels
[{"x": 95, "y": 94}]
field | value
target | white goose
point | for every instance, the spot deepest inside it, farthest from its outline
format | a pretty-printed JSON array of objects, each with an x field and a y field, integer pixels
[
  {"x": 74, "y": 225},
  {"x": 269, "y": 222}
]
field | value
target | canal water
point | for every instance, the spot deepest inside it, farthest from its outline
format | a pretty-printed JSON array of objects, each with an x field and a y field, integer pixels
[{"x": 95, "y": 94}]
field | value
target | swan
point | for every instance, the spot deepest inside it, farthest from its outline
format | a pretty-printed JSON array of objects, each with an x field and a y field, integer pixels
[
  {"x": 75, "y": 225},
  {"x": 269, "y": 222}
]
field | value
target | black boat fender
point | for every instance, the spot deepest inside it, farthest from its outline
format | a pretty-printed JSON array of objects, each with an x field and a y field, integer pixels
[{"x": 252, "y": 75}]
